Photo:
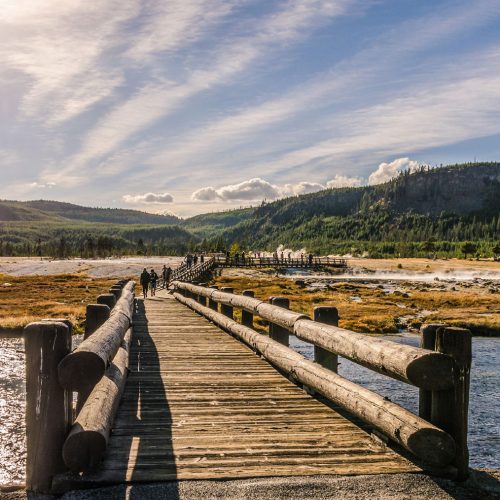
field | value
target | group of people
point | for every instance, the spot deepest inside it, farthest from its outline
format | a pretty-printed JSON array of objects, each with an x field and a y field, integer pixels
[
  {"x": 192, "y": 260},
  {"x": 149, "y": 280}
]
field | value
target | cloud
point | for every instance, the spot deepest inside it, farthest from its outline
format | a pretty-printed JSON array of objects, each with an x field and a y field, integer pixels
[
  {"x": 41, "y": 185},
  {"x": 251, "y": 190},
  {"x": 149, "y": 198},
  {"x": 386, "y": 171},
  {"x": 340, "y": 181},
  {"x": 301, "y": 188}
]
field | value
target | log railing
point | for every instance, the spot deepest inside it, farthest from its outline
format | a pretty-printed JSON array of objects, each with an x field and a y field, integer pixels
[
  {"x": 437, "y": 437},
  {"x": 96, "y": 370},
  {"x": 250, "y": 261}
]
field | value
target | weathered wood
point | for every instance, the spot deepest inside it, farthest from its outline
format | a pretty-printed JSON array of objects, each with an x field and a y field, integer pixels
[
  {"x": 116, "y": 290},
  {"x": 96, "y": 315},
  {"x": 419, "y": 367},
  {"x": 48, "y": 405},
  {"x": 211, "y": 303},
  {"x": 277, "y": 332},
  {"x": 328, "y": 316},
  {"x": 108, "y": 299},
  {"x": 198, "y": 404},
  {"x": 428, "y": 370},
  {"x": 427, "y": 341},
  {"x": 225, "y": 309},
  {"x": 84, "y": 367},
  {"x": 423, "y": 439},
  {"x": 450, "y": 408},
  {"x": 247, "y": 317},
  {"x": 89, "y": 436}
]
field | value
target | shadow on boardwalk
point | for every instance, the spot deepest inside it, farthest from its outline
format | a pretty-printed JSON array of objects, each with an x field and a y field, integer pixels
[{"x": 142, "y": 436}]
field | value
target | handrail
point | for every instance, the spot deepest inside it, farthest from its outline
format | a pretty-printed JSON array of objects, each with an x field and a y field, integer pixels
[
  {"x": 252, "y": 261},
  {"x": 413, "y": 365},
  {"x": 438, "y": 436}
]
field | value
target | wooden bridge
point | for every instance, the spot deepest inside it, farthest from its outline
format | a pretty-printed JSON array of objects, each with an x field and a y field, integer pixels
[
  {"x": 174, "y": 388},
  {"x": 203, "y": 269}
]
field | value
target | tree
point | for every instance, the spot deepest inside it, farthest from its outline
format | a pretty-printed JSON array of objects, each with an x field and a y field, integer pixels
[
  {"x": 468, "y": 248},
  {"x": 496, "y": 251}
]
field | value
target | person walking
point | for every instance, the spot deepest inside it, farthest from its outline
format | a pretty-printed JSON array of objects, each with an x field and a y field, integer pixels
[
  {"x": 145, "y": 279},
  {"x": 153, "y": 281},
  {"x": 165, "y": 273}
]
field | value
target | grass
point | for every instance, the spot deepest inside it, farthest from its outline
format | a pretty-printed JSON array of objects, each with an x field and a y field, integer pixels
[
  {"x": 26, "y": 299},
  {"x": 372, "y": 310}
]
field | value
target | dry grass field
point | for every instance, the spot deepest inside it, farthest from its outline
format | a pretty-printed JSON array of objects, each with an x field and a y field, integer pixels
[
  {"x": 373, "y": 308},
  {"x": 24, "y": 299}
]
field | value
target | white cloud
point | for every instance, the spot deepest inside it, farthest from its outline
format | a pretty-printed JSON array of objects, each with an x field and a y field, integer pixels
[
  {"x": 38, "y": 185},
  {"x": 340, "y": 181},
  {"x": 386, "y": 171},
  {"x": 301, "y": 188},
  {"x": 254, "y": 190},
  {"x": 148, "y": 198}
]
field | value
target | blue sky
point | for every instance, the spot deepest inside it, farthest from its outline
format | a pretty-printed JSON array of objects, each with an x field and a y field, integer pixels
[{"x": 188, "y": 106}]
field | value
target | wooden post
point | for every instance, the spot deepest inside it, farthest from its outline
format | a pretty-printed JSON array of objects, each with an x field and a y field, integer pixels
[
  {"x": 96, "y": 315},
  {"x": 450, "y": 408},
  {"x": 211, "y": 303},
  {"x": 48, "y": 405},
  {"x": 276, "y": 332},
  {"x": 328, "y": 316},
  {"x": 108, "y": 299},
  {"x": 225, "y": 309},
  {"x": 116, "y": 290},
  {"x": 247, "y": 317},
  {"x": 427, "y": 341},
  {"x": 201, "y": 298}
]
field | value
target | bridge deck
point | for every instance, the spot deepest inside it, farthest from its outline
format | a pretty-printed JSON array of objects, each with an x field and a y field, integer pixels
[{"x": 198, "y": 404}]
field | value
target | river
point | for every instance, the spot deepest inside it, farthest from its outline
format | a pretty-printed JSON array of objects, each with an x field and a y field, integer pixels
[{"x": 484, "y": 437}]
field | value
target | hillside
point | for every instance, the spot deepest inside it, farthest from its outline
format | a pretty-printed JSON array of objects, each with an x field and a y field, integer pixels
[
  {"x": 439, "y": 207},
  {"x": 44, "y": 210}
]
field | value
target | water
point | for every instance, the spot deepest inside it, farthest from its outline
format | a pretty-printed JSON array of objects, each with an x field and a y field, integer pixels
[
  {"x": 484, "y": 438},
  {"x": 484, "y": 406}
]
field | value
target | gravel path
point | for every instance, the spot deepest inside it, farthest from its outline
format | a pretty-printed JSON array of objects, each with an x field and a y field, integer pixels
[{"x": 482, "y": 485}]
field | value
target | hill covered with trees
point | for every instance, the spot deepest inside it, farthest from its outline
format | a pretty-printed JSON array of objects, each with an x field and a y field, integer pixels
[
  {"x": 430, "y": 211},
  {"x": 447, "y": 211}
]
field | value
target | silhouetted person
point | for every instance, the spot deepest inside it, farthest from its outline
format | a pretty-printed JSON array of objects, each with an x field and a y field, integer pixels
[
  {"x": 154, "y": 281},
  {"x": 195, "y": 259},
  {"x": 145, "y": 279},
  {"x": 310, "y": 259}
]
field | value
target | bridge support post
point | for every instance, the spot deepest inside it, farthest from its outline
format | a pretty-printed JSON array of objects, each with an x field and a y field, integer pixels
[
  {"x": 108, "y": 299},
  {"x": 276, "y": 332},
  {"x": 328, "y": 316},
  {"x": 201, "y": 298},
  {"x": 48, "y": 405},
  {"x": 225, "y": 309},
  {"x": 450, "y": 408},
  {"x": 427, "y": 341},
  {"x": 96, "y": 315},
  {"x": 211, "y": 303},
  {"x": 116, "y": 290},
  {"x": 247, "y": 317}
]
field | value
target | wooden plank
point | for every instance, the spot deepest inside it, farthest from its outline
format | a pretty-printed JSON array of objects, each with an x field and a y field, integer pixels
[{"x": 198, "y": 404}]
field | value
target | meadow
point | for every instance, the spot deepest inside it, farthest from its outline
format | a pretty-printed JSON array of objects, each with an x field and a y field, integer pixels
[{"x": 24, "y": 299}]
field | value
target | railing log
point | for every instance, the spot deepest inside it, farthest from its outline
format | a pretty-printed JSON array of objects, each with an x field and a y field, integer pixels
[
  {"x": 85, "y": 366},
  {"x": 423, "y": 439},
  {"x": 48, "y": 404},
  {"x": 89, "y": 436}
]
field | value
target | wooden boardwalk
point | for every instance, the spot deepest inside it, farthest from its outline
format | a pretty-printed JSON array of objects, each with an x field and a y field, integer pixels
[{"x": 199, "y": 404}]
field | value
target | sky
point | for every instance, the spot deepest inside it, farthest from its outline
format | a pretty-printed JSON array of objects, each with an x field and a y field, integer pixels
[{"x": 192, "y": 106}]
